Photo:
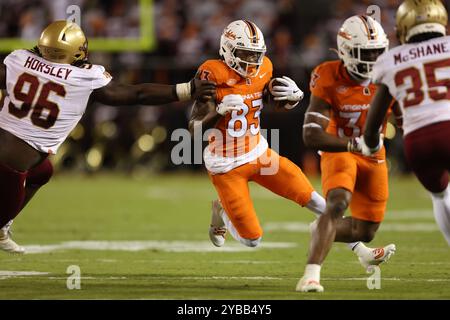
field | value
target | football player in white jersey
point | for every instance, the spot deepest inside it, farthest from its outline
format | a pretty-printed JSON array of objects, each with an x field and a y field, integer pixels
[
  {"x": 48, "y": 89},
  {"x": 417, "y": 75}
]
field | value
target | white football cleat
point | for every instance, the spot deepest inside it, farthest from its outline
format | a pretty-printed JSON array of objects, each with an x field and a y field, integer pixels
[
  {"x": 376, "y": 256},
  {"x": 217, "y": 230},
  {"x": 6, "y": 243},
  {"x": 308, "y": 285}
]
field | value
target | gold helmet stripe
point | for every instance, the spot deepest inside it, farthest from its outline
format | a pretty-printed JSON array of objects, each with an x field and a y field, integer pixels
[
  {"x": 371, "y": 33},
  {"x": 372, "y": 28},
  {"x": 253, "y": 32}
]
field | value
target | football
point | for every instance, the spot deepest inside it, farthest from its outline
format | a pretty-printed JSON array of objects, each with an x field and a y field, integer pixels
[{"x": 277, "y": 105}]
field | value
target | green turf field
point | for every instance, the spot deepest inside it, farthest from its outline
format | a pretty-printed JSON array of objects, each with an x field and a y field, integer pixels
[{"x": 148, "y": 239}]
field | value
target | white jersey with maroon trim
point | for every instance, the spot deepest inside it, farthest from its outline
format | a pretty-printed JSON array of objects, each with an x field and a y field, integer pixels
[
  {"x": 418, "y": 77},
  {"x": 46, "y": 100}
]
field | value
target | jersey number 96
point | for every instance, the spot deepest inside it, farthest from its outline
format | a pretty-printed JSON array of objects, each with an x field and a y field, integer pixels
[{"x": 43, "y": 112}]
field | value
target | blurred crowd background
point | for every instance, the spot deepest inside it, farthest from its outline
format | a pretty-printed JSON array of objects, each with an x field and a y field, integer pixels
[{"x": 299, "y": 35}]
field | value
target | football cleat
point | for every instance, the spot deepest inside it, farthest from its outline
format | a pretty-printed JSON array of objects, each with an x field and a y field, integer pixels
[
  {"x": 308, "y": 285},
  {"x": 7, "y": 244},
  {"x": 217, "y": 230},
  {"x": 377, "y": 256}
]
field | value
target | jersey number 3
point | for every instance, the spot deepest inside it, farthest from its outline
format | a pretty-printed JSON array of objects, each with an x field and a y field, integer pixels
[{"x": 45, "y": 112}]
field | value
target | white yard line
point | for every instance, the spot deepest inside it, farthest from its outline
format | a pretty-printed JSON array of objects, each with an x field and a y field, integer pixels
[
  {"x": 166, "y": 246},
  {"x": 6, "y": 274},
  {"x": 28, "y": 274},
  {"x": 388, "y": 279}
]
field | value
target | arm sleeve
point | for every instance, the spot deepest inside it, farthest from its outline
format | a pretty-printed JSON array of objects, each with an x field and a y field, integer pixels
[
  {"x": 100, "y": 77},
  {"x": 9, "y": 59}
]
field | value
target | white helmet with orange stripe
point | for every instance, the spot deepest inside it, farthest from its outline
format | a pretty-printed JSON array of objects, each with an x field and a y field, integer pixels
[
  {"x": 242, "y": 47},
  {"x": 360, "y": 41}
]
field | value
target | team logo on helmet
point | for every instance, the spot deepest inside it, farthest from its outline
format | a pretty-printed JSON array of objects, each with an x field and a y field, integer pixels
[{"x": 230, "y": 35}]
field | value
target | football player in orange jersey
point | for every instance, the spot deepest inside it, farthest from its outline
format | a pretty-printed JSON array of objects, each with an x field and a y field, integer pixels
[
  {"x": 341, "y": 94},
  {"x": 237, "y": 153}
]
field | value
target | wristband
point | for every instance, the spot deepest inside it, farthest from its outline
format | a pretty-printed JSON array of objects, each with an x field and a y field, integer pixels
[{"x": 183, "y": 91}]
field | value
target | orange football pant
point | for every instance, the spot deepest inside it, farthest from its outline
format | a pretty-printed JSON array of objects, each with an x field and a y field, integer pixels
[
  {"x": 232, "y": 187},
  {"x": 366, "y": 179}
]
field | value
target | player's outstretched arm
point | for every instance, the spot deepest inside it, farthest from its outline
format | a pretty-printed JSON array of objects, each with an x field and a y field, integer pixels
[
  {"x": 315, "y": 125},
  {"x": 153, "y": 93},
  {"x": 375, "y": 117},
  {"x": 2, "y": 76}
]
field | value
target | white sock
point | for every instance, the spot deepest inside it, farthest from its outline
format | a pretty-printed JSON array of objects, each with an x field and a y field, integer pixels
[
  {"x": 317, "y": 204},
  {"x": 235, "y": 234},
  {"x": 352, "y": 245},
  {"x": 441, "y": 210},
  {"x": 359, "y": 248},
  {"x": 312, "y": 271}
]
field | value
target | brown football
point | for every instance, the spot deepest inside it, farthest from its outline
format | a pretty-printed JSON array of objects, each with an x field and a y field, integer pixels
[{"x": 276, "y": 105}]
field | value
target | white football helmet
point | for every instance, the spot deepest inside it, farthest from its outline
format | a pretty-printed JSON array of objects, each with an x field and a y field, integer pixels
[
  {"x": 242, "y": 47},
  {"x": 360, "y": 41}
]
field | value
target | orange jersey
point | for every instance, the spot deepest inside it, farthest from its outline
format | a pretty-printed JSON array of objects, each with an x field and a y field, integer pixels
[
  {"x": 240, "y": 130},
  {"x": 349, "y": 100}
]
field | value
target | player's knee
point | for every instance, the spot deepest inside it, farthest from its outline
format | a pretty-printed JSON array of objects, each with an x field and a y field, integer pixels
[
  {"x": 337, "y": 207},
  {"x": 252, "y": 242},
  {"x": 337, "y": 203},
  {"x": 41, "y": 174}
]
